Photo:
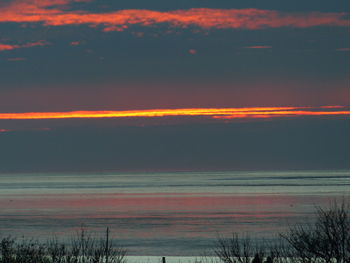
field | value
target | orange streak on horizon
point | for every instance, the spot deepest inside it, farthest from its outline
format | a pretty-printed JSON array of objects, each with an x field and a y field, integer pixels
[
  {"x": 217, "y": 113},
  {"x": 272, "y": 114}
]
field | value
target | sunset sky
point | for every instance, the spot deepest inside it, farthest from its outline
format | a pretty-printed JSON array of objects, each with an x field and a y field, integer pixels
[{"x": 159, "y": 85}]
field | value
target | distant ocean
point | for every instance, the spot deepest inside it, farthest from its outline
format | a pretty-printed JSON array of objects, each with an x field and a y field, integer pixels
[{"x": 165, "y": 214}]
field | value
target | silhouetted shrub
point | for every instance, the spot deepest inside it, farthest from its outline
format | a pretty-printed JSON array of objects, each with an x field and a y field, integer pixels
[
  {"x": 84, "y": 248},
  {"x": 238, "y": 250},
  {"x": 327, "y": 240}
]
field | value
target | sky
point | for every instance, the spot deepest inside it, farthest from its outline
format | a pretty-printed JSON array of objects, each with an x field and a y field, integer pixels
[{"x": 186, "y": 85}]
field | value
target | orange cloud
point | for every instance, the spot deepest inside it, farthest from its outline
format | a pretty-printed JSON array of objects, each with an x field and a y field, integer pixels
[
  {"x": 6, "y": 47},
  {"x": 216, "y": 113},
  {"x": 51, "y": 13}
]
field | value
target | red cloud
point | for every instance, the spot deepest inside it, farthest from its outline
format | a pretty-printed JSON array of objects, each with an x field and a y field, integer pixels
[
  {"x": 16, "y": 59},
  {"x": 48, "y": 12},
  {"x": 259, "y": 47},
  {"x": 5, "y": 130},
  {"x": 75, "y": 43}
]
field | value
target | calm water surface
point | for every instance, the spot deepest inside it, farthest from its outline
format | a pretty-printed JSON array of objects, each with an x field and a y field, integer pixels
[{"x": 165, "y": 213}]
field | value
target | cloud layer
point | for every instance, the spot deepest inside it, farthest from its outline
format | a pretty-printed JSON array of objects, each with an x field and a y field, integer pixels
[{"x": 54, "y": 13}]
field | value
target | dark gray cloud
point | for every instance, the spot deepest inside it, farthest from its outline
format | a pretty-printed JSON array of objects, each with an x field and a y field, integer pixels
[{"x": 288, "y": 144}]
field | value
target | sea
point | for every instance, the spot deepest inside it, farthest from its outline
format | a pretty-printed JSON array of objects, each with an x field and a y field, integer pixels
[{"x": 175, "y": 214}]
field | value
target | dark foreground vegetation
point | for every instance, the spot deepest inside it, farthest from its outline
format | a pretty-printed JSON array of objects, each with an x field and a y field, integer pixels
[
  {"x": 83, "y": 248},
  {"x": 325, "y": 240}
]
